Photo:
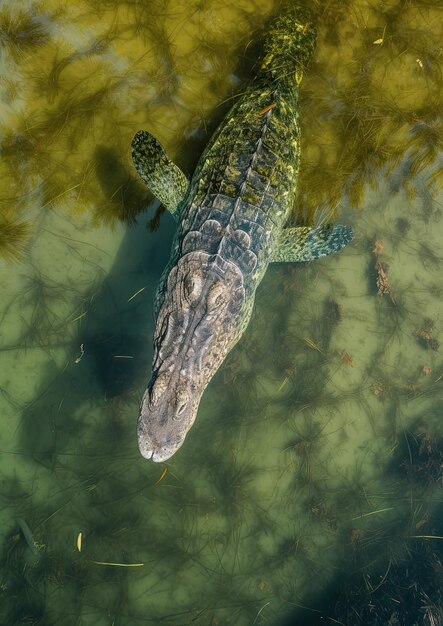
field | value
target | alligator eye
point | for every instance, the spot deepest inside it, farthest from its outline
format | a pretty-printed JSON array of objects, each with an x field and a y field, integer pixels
[
  {"x": 216, "y": 296},
  {"x": 192, "y": 287},
  {"x": 181, "y": 408}
]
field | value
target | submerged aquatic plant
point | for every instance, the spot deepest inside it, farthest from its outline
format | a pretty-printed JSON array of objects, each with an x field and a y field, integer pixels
[
  {"x": 425, "y": 144},
  {"x": 121, "y": 510},
  {"x": 366, "y": 126},
  {"x": 21, "y": 30},
  {"x": 21, "y": 583},
  {"x": 231, "y": 479},
  {"x": 425, "y": 335},
  {"x": 13, "y": 237},
  {"x": 124, "y": 197},
  {"x": 419, "y": 456},
  {"x": 302, "y": 449},
  {"x": 408, "y": 591},
  {"x": 41, "y": 310}
]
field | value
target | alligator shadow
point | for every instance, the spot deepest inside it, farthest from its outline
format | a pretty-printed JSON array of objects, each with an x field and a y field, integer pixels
[{"x": 110, "y": 353}]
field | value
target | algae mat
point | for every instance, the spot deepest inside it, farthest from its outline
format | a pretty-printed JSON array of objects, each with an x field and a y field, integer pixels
[{"x": 309, "y": 490}]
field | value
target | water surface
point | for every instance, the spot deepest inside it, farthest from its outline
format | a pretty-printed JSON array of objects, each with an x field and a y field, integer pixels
[{"x": 310, "y": 488}]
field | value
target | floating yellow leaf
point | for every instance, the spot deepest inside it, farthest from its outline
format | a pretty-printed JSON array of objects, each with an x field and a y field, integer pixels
[
  {"x": 118, "y": 564},
  {"x": 312, "y": 344},
  {"x": 136, "y": 294},
  {"x": 162, "y": 475},
  {"x": 79, "y": 541},
  {"x": 283, "y": 385},
  {"x": 378, "y": 41},
  {"x": 390, "y": 508},
  {"x": 79, "y": 317},
  {"x": 426, "y": 537}
]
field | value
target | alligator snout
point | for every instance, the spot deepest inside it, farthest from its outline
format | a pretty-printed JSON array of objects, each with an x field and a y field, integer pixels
[{"x": 164, "y": 420}]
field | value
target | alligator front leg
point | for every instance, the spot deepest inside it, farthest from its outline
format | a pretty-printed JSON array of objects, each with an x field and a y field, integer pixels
[
  {"x": 301, "y": 243},
  {"x": 166, "y": 181}
]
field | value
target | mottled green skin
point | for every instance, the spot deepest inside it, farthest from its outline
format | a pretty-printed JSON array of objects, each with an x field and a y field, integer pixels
[
  {"x": 226, "y": 189},
  {"x": 247, "y": 176},
  {"x": 229, "y": 225},
  {"x": 164, "y": 178}
]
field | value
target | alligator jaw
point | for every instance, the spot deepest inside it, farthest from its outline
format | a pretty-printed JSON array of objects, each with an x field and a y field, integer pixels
[
  {"x": 148, "y": 449},
  {"x": 145, "y": 448},
  {"x": 152, "y": 452},
  {"x": 162, "y": 427},
  {"x": 147, "y": 452},
  {"x": 145, "y": 444}
]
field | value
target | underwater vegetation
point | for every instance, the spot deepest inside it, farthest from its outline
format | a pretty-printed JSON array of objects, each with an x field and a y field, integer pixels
[
  {"x": 124, "y": 193},
  {"x": 13, "y": 236},
  {"x": 77, "y": 85},
  {"x": 365, "y": 116},
  {"x": 407, "y": 592},
  {"x": 314, "y": 478},
  {"x": 409, "y": 589},
  {"x": 21, "y": 30}
]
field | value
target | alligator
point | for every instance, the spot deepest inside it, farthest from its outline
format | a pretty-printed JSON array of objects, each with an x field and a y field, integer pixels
[{"x": 231, "y": 223}]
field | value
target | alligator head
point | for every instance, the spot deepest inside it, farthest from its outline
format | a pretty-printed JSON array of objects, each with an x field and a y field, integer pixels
[{"x": 197, "y": 324}]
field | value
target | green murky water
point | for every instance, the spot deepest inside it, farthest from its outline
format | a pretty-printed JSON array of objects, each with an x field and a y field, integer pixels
[{"x": 309, "y": 490}]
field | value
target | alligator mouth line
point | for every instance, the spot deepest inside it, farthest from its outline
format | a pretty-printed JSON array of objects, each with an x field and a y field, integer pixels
[
  {"x": 146, "y": 453},
  {"x": 152, "y": 455},
  {"x": 145, "y": 446},
  {"x": 151, "y": 452}
]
